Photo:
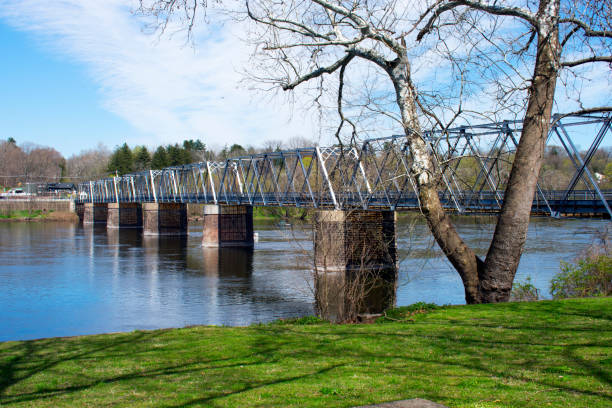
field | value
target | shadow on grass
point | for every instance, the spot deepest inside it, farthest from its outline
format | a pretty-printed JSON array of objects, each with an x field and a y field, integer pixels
[
  {"x": 27, "y": 354},
  {"x": 211, "y": 364}
]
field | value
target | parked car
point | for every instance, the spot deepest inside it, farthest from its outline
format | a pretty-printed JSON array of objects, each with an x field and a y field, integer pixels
[{"x": 15, "y": 193}]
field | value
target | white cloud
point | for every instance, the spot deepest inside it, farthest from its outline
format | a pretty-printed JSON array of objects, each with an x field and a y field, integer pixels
[
  {"x": 162, "y": 86},
  {"x": 171, "y": 91}
]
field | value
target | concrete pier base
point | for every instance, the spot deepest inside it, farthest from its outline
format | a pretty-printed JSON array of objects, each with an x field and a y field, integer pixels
[
  {"x": 164, "y": 218},
  {"x": 228, "y": 226},
  {"x": 95, "y": 213},
  {"x": 355, "y": 263},
  {"x": 124, "y": 215}
]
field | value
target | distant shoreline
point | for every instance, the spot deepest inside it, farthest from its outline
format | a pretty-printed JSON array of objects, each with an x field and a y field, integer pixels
[{"x": 51, "y": 216}]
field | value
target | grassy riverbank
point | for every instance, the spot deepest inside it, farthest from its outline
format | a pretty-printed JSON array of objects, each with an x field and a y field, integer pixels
[
  {"x": 38, "y": 215},
  {"x": 24, "y": 215},
  {"x": 278, "y": 213},
  {"x": 509, "y": 355}
]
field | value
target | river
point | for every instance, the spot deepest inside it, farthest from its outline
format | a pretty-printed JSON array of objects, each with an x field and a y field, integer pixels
[{"x": 61, "y": 279}]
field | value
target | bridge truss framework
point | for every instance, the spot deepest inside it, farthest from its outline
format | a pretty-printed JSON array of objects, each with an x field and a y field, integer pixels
[{"x": 473, "y": 164}]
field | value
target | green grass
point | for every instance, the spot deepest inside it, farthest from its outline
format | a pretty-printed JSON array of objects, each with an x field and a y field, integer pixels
[
  {"x": 276, "y": 214},
  {"x": 22, "y": 214},
  {"x": 553, "y": 353}
]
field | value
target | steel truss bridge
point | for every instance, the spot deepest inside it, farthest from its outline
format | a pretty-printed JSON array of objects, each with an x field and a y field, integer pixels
[{"x": 473, "y": 162}]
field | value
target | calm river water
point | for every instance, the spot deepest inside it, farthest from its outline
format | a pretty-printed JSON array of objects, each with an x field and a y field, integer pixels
[{"x": 62, "y": 279}]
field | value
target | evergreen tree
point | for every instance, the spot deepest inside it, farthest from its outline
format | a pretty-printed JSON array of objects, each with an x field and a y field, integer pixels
[
  {"x": 175, "y": 155},
  {"x": 224, "y": 154},
  {"x": 62, "y": 166},
  {"x": 187, "y": 156},
  {"x": 121, "y": 161},
  {"x": 142, "y": 158},
  {"x": 236, "y": 150},
  {"x": 194, "y": 145},
  {"x": 159, "y": 159},
  {"x": 195, "y": 150}
]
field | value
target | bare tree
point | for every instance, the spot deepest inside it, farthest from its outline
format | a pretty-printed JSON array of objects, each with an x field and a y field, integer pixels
[
  {"x": 297, "y": 142},
  {"x": 40, "y": 164},
  {"x": 89, "y": 164},
  {"x": 29, "y": 163},
  {"x": 319, "y": 43},
  {"x": 11, "y": 157}
]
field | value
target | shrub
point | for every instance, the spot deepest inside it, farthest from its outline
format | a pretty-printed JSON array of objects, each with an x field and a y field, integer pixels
[
  {"x": 588, "y": 277},
  {"x": 524, "y": 292}
]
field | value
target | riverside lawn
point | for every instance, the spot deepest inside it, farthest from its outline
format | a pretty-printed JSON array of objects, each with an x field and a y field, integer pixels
[{"x": 539, "y": 354}]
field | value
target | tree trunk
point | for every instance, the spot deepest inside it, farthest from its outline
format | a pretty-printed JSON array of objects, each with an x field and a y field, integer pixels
[
  {"x": 458, "y": 253},
  {"x": 511, "y": 231},
  {"x": 491, "y": 280}
]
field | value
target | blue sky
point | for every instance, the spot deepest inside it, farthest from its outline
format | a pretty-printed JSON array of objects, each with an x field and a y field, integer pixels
[
  {"x": 76, "y": 73},
  {"x": 49, "y": 99}
]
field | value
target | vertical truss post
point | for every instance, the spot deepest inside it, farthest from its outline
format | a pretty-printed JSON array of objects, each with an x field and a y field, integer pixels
[
  {"x": 115, "y": 188},
  {"x": 153, "y": 186},
  {"x": 237, "y": 175},
  {"x": 175, "y": 190},
  {"x": 105, "y": 192},
  {"x": 133, "y": 189},
  {"x": 212, "y": 183},
  {"x": 326, "y": 176}
]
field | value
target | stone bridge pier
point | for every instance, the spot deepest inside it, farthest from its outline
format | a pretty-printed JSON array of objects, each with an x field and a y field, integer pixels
[
  {"x": 227, "y": 226},
  {"x": 355, "y": 263},
  {"x": 164, "y": 218},
  {"x": 94, "y": 213},
  {"x": 124, "y": 215}
]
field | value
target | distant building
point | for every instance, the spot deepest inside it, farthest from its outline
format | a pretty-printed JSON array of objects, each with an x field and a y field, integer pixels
[{"x": 59, "y": 188}]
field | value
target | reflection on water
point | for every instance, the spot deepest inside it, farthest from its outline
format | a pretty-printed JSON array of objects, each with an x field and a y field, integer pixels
[{"x": 61, "y": 279}]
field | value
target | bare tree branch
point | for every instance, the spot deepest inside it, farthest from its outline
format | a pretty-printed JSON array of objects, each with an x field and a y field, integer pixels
[
  {"x": 588, "y": 32},
  {"x": 318, "y": 72},
  {"x": 582, "y": 112},
  {"x": 477, "y": 5},
  {"x": 604, "y": 58}
]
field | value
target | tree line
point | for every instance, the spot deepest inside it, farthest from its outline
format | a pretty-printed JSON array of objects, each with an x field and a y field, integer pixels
[
  {"x": 29, "y": 163},
  {"x": 125, "y": 160}
]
